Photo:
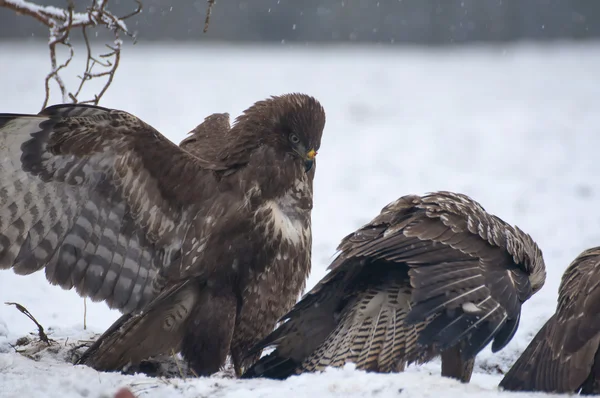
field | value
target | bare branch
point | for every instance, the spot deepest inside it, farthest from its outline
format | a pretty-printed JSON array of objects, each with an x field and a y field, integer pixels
[
  {"x": 84, "y": 314},
  {"x": 26, "y": 8},
  {"x": 41, "y": 333},
  {"x": 211, "y": 3},
  {"x": 61, "y": 23}
]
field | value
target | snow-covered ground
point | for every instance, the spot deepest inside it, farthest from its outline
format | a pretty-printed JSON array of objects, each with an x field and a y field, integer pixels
[{"x": 515, "y": 127}]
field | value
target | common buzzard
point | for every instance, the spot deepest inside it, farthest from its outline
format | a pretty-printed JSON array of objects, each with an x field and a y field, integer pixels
[
  {"x": 202, "y": 254},
  {"x": 430, "y": 274},
  {"x": 564, "y": 356}
]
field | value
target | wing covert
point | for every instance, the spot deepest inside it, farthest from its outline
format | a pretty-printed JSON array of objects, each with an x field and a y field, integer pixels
[{"x": 98, "y": 198}]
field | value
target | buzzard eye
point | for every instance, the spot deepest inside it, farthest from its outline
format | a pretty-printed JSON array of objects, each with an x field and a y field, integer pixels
[{"x": 294, "y": 139}]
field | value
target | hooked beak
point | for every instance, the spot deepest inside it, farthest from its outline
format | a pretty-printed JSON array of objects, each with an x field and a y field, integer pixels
[{"x": 309, "y": 160}]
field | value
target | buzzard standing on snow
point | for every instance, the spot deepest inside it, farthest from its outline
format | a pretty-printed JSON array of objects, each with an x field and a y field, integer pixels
[
  {"x": 203, "y": 254},
  {"x": 564, "y": 357},
  {"x": 429, "y": 275}
]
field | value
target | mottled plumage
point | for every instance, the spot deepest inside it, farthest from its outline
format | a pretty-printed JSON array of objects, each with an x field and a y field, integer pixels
[
  {"x": 209, "y": 137},
  {"x": 203, "y": 254},
  {"x": 564, "y": 356},
  {"x": 428, "y": 274}
]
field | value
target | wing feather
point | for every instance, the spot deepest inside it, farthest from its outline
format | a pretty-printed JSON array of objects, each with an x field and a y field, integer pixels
[
  {"x": 87, "y": 194},
  {"x": 543, "y": 367},
  {"x": 468, "y": 274},
  {"x": 561, "y": 356},
  {"x": 366, "y": 328},
  {"x": 487, "y": 260}
]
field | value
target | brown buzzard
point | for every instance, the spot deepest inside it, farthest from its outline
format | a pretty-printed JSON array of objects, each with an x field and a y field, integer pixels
[
  {"x": 202, "y": 254},
  {"x": 207, "y": 139},
  {"x": 564, "y": 356},
  {"x": 429, "y": 275}
]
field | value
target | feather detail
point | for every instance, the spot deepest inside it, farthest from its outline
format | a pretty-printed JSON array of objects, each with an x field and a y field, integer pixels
[
  {"x": 564, "y": 356},
  {"x": 428, "y": 274},
  {"x": 107, "y": 205}
]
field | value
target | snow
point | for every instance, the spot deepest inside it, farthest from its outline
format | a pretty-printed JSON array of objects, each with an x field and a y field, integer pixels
[
  {"x": 33, "y": 8},
  {"x": 56, "y": 14},
  {"x": 513, "y": 126}
]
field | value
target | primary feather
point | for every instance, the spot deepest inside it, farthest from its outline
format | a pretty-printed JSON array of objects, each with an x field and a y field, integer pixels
[
  {"x": 107, "y": 205},
  {"x": 428, "y": 274}
]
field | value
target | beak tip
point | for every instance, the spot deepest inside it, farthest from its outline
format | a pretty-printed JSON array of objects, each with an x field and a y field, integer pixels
[{"x": 308, "y": 165}]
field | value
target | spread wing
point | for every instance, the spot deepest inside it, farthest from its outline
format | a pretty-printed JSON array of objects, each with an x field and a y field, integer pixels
[
  {"x": 560, "y": 357},
  {"x": 468, "y": 268},
  {"x": 208, "y": 140},
  {"x": 468, "y": 271},
  {"x": 99, "y": 199}
]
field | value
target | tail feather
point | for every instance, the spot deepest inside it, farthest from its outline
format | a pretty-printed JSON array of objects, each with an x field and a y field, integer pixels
[
  {"x": 373, "y": 335},
  {"x": 375, "y": 332},
  {"x": 133, "y": 338},
  {"x": 368, "y": 329},
  {"x": 272, "y": 366},
  {"x": 341, "y": 346}
]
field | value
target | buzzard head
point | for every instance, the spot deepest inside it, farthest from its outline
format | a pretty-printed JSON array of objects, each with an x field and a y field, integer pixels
[{"x": 292, "y": 124}]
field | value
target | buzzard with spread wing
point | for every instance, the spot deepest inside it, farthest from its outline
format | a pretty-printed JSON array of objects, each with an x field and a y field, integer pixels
[
  {"x": 429, "y": 275},
  {"x": 202, "y": 248},
  {"x": 564, "y": 356}
]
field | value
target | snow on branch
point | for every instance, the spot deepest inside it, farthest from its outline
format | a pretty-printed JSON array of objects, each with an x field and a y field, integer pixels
[{"x": 61, "y": 22}]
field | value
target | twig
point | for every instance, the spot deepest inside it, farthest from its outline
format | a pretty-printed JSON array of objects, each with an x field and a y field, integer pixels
[
  {"x": 27, "y": 8},
  {"x": 84, "y": 314},
  {"x": 42, "y": 335},
  {"x": 116, "y": 53},
  {"x": 14, "y": 348},
  {"x": 61, "y": 23},
  {"x": 211, "y": 3},
  {"x": 178, "y": 365}
]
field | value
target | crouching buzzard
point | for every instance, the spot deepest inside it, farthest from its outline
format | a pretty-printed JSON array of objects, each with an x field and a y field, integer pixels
[
  {"x": 203, "y": 248},
  {"x": 429, "y": 275},
  {"x": 564, "y": 357}
]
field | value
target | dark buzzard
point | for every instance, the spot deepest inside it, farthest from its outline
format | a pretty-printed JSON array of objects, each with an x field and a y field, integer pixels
[
  {"x": 429, "y": 275},
  {"x": 203, "y": 254},
  {"x": 564, "y": 357}
]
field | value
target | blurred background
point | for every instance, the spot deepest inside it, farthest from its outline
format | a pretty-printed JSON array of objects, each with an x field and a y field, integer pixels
[{"x": 431, "y": 22}]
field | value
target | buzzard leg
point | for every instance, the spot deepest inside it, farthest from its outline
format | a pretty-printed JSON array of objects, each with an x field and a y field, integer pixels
[
  {"x": 239, "y": 364},
  {"x": 454, "y": 366},
  {"x": 209, "y": 331}
]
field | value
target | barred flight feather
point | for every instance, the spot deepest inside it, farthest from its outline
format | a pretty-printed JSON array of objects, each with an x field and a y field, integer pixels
[
  {"x": 175, "y": 237},
  {"x": 429, "y": 275}
]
